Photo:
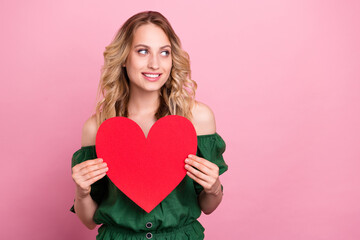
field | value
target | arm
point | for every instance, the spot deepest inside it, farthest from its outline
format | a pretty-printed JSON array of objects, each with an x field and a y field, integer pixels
[
  {"x": 210, "y": 201},
  {"x": 85, "y": 208},
  {"x": 206, "y": 172},
  {"x": 85, "y": 174}
]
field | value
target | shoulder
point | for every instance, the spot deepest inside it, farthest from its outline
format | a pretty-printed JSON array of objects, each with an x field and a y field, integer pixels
[
  {"x": 89, "y": 131},
  {"x": 203, "y": 119}
]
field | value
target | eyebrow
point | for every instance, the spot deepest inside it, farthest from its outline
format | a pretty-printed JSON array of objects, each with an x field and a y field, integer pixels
[{"x": 143, "y": 45}]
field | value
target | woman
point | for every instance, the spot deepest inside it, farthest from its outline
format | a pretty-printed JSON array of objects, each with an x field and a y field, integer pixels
[{"x": 146, "y": 76}]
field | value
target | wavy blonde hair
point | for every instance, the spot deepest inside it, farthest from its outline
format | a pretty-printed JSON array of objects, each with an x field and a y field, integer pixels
[{"x": 177, "y": 95}]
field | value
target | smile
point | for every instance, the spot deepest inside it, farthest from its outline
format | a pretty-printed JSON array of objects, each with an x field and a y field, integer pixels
[{"x": 152, "y": 76}]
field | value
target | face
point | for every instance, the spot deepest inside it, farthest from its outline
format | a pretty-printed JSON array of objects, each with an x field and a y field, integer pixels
[{"x": 149, "y": 62}]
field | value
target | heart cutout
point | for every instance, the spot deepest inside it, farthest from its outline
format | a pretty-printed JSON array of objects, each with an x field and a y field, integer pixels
[{"x": 148, "y": 169}]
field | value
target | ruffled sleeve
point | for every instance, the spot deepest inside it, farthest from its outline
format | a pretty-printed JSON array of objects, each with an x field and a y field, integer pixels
[
  {"x": 211, "y": 147},
  {"x": 99, "y": 188}
]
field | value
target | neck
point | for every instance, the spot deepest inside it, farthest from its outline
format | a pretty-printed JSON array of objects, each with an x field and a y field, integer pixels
[{"x": 141, "y": 102}]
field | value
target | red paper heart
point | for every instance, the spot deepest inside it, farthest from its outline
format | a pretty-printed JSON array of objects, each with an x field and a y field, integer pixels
[{"x": 146, "y": 169}]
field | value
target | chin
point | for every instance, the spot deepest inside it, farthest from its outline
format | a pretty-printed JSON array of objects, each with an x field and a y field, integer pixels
[
  {"x": 151, "y": 89},
  {"x": 154, "y": 87}
]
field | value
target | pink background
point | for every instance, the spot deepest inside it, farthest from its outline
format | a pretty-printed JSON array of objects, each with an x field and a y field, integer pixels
[{"x": 282, "y": 78}]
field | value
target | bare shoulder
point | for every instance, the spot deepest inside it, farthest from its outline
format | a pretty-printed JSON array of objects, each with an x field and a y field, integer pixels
[
  {"x": 89, "y": 132},
  {"x": 203, "y": 119}
]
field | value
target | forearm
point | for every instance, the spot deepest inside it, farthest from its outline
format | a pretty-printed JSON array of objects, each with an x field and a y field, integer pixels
[
  {"x": 85, "y": 208},
  {"x": 209, "y": 201}
]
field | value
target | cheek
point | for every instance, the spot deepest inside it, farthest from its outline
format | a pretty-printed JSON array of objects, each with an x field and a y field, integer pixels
[
  {"x": 133, "y": 66},
  {"x": 168, "y": 65}
]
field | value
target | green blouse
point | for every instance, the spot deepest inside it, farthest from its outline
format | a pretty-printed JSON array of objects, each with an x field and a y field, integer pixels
[{"x": 174, "y": 218}]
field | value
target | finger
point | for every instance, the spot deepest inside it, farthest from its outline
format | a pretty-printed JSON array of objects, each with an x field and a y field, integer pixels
[
  {"x": 199, "y": 166},
  {"x": 94, "y": 174},
  {"x": 203, "y": 161},
  {"x": 89, "y": 172},
  {"x": 196, "y": 173},
  {"x": 92, "y": 168},
  {"x": 94, "y": 179},
  {"x": 196, "y": 179},
  {"x": 88, "y": 163}
]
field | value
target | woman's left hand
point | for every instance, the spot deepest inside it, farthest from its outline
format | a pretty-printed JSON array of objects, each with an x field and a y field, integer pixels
[{"x": 206, "y": 173}]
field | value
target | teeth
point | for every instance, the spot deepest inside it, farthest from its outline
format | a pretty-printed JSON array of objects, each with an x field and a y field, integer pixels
[{"x": 152, "y": 75}]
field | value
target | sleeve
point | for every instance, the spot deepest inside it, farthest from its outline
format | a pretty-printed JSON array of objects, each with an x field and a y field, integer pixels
[
  {"x": 99, "y": 188},
  {"x": 211, "y": 147}
]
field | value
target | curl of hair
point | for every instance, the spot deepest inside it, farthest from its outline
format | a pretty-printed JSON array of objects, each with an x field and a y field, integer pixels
[{"x": 177, "y": 95}]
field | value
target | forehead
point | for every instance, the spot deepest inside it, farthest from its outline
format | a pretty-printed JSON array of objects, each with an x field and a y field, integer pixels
[{"x": 151, "y": 35}]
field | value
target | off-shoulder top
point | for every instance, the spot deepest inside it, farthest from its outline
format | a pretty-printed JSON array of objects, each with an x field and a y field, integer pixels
[{"x": 180, "y": 208}]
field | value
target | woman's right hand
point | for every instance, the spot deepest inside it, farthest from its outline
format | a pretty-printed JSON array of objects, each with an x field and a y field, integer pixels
[{"x": 86, "y": 173}]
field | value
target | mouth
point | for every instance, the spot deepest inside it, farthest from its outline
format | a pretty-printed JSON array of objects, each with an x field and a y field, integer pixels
[{"x": 151, "y": 76}]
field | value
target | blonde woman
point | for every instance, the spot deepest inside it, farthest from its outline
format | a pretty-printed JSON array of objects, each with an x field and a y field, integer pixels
[{"x": 146, "y": 76}]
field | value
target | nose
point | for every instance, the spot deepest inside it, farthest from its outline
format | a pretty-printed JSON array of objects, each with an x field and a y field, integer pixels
[{"x": 153, "y": 62}]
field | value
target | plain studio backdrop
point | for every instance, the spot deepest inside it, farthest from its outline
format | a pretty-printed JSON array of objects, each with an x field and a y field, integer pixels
[{"x": 282, "y": 78}]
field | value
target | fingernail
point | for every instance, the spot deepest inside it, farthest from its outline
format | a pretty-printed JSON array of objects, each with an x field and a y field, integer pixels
[{"x": 186, "y": 160}]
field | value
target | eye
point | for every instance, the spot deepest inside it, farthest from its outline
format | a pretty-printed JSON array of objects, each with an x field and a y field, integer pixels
[
  {"x": 165, "y": 53},
  {"x": 142, "y": 51}
]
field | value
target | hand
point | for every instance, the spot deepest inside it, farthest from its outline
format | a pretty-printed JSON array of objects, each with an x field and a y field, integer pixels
[
  {"x": 86, "y": 173},
  {"x": 206, "y": 174}
]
